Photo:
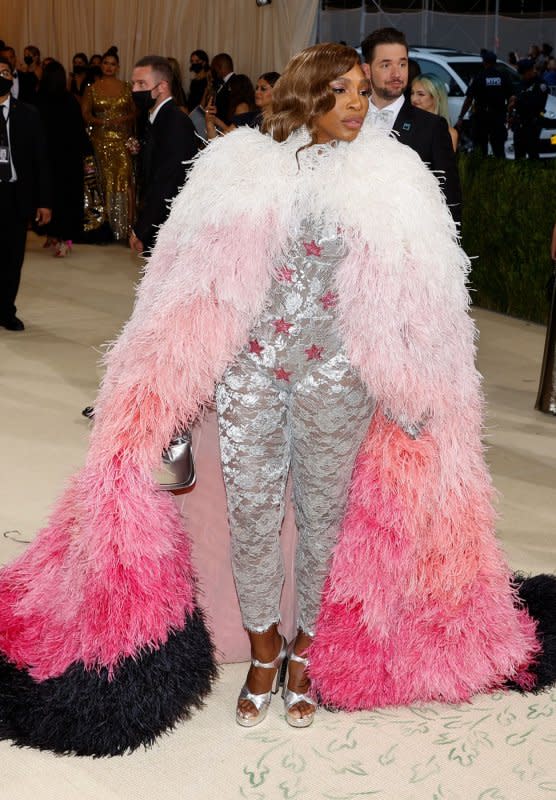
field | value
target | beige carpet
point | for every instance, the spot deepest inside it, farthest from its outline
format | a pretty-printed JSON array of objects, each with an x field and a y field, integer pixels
[{"x": 500, "y": 747}]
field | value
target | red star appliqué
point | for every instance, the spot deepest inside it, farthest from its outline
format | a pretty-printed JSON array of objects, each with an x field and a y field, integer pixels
[
  {"x": 314, "y": 353},
  {"x": 312, "y": 249},
  {"x": 328, "y": 300},
  {"x": 285, "y": 274},
  {"x": 255, "y": 347},
  {"x": 281, "y": 326},
  {"x": 282, "y": 374}
]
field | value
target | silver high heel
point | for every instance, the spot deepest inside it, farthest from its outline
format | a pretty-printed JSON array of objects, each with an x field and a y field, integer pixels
[
  {"x": 292, "y": 698},
  {"x": 262, "y": 701}
]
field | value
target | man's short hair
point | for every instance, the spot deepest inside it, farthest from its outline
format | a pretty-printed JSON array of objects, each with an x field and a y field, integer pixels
[
  {"x": 4, "y": 60},
  {"x": 381, "y": 36},
  {"x": 489, "y": 57},
  {"x": 224, "y": 60},
  {"x": 158, "y": 64}
]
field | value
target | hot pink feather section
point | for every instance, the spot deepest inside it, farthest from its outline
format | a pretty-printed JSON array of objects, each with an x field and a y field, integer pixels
[
  {"x": 110, "y": 574},
  {"x": 418, "y": 604}
]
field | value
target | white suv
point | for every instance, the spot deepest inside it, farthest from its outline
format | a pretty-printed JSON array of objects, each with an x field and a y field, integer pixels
[{"x": 457, "y": 68}]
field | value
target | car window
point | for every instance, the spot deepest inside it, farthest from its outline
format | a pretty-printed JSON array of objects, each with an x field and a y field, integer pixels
[{"x": 431, "y": 67}]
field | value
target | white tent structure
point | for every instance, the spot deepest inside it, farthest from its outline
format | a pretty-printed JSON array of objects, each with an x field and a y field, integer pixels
[
  {"x": 426, "y": 27},
  {"x": 259, "y": 38}
]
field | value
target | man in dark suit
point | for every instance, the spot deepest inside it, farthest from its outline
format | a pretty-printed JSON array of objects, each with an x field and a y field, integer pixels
[
  {"x": 24, "y": 189},
  {"x": 223, "y": 76},
  {"x": 386, "y": 54},
  {"x": 24, "y": 83},
  {"x": 169, "y": 142}
]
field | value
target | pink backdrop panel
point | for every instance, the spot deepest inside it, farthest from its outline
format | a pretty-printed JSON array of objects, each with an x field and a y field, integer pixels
[{"x": 206, "y": 520}]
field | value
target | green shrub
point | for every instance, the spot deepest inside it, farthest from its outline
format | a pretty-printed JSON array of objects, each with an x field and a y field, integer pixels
[{"x": 508, "y": 216}]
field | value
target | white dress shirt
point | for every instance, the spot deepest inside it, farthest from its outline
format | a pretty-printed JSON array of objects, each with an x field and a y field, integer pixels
[
  {"x": 154, "y": 112},
  {"x": 384, "y": 118},
  {"x": 6, "y": 105},
  {"x": 15, "y": 85}
]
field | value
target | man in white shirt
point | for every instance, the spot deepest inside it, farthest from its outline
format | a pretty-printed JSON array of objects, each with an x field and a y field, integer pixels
[
  {"x": 24, "y": 189},
  {"x": 386, "y": 55},
  {"x": 24, "y": 83},
  {"x": 169, "y": 143},
  {"x": 222, "y": 69}
]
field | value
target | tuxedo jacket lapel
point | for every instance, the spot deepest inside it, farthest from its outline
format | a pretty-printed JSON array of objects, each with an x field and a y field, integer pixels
[{"x": 403, "y": 124}]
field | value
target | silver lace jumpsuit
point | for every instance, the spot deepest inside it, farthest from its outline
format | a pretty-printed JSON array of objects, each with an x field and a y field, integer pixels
[{"x": 291, "y": 400}]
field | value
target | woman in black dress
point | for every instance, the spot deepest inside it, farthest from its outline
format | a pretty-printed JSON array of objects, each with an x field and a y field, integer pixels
[
  {"x": 79, "y": 79},
  {"x": 67, "y": 144},
  {"x": 199, "y": 66},
  {"x": 546, "y": 398}
]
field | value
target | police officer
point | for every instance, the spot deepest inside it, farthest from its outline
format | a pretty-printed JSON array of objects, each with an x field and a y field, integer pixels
[
  {"x": 527, "y": 109},
  {"x": 489, "y": 92}
]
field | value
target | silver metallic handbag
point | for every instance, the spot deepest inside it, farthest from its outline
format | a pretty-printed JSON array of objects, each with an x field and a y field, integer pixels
[{"x": 177, "y": 469}]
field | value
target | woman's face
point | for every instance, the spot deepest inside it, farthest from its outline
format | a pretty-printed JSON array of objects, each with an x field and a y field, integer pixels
[
  {"x": 344, "y": 121},
  {"x": 420, "y": 98},
  {"x": 109, "y": 66},
  {"x": 196, "y": 62},
  {"x": 79, "y": 62},
  {"x": 263, "y": 94}
]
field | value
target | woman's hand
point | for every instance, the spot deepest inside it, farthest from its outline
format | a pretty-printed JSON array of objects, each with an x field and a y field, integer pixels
[
  {"x": 214, "y": 124},
  {"x": 210, "y": 111}
]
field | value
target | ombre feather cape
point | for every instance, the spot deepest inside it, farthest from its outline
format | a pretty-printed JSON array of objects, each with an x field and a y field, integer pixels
[{"x": 103, "y": 645}]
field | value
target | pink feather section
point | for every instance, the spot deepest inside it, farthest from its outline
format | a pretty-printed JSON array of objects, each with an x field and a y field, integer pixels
[
  {"x": 418, "y": 604},
  {"x": 111, "y": 572}
]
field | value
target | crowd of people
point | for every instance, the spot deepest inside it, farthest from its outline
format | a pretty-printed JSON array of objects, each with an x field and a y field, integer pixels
[
  {"x": 498, "y": 106},
  {"x": 95, "y": 130}
]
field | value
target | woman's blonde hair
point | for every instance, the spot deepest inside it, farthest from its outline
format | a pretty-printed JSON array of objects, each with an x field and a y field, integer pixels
[
  {"x": 303, "y": 93},
  {"x": 437, "y": 90}
]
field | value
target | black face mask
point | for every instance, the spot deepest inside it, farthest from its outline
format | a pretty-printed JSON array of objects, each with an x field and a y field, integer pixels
[
  {"x": 5, "y": 86},
  {"x": 143, "y": 99},
  {"x": 196, "y": 68},
  {"x": 28, "y": 60},
  {"x": 79, "y": 69}
]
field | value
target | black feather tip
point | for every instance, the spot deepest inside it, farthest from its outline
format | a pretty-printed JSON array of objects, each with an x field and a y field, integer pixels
[{"x": 87, "y": 713}]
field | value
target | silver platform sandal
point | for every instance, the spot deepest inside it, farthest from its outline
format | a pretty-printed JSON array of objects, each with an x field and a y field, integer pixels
[
  {"x": 262, "y": 701},
  {"x": 291, "y": 698}
]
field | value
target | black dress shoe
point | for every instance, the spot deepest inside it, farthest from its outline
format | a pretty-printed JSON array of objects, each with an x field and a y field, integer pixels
[
  {"x": 89, "y": 412},
  {"x": 12, "y": 324}
]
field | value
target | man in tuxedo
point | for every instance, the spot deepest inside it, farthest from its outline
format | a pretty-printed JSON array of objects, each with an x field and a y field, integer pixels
[
  {"x": 24, "y": 189},
  {"x": 223, "y": 76},
  {"x": 169, "y": 142},
  {"x": 386, "y": 55},
  {"x": 24, "y": 86}
]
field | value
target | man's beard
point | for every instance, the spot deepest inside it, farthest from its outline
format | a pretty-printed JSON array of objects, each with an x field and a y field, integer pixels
[{"x": 386, "y": 93}]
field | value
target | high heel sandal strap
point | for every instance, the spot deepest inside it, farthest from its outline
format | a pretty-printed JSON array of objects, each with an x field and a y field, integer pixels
[
  {"x": 292, "y": 698},
  {"x": 298, "y": 659},
  {"x": 276, "y": 662}
]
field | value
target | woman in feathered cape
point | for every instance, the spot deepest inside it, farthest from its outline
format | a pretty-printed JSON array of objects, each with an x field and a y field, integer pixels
[{"x": 102, "y": 640}]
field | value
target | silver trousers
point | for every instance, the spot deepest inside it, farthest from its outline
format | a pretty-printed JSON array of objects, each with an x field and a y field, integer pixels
[{"x": 269, "y": 425}]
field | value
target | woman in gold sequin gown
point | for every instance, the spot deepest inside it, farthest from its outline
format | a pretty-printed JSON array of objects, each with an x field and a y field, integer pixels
[{"x": 109, "y": 112}]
